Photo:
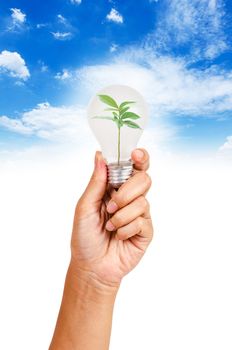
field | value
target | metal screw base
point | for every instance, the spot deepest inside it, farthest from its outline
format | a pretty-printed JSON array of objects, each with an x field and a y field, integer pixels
[{"x": 118, "y": 174}]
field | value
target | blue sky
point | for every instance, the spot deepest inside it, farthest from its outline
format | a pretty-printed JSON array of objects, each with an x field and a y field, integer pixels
[{"x": 55, "y": 55}]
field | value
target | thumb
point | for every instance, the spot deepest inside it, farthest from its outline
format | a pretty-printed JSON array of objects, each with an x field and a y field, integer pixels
[{"x": 97, "y": 184}]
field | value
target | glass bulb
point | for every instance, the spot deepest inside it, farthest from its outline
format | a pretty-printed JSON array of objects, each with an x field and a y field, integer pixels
[{"x": 117, "y": 116}]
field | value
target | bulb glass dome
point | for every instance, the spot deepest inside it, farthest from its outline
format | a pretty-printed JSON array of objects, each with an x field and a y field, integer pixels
[{"x": 117, "y": 116}]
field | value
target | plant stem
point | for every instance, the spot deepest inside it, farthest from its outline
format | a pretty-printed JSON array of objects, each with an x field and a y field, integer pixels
[{"x": 119, "y": 136}]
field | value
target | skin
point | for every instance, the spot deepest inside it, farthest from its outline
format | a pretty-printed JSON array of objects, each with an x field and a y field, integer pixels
[{"x": 111, "y": 232}]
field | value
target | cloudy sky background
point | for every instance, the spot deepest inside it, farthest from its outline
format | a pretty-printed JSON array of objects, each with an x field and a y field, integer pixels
[{"x": 54, "y": 55}]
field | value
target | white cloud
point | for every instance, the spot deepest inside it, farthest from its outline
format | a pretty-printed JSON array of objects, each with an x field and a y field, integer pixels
[
  {"x": 43, "y": 66},
  {"x": 14, "y": 125},
  {"x": 41, "y": 25},
  {"x": 17, "y": 20},
  {"x": 62, "y": 35},
  {"x": 113, "y": 47},
  {"x": 77, "y": 2},
  {"x": 64, "y": 75},
  {"x": 48, "y": 122},
  {"x": 168, "y": 84},
  {"x": 18, "y": 16},
  {"x": 64, "y": 23},
  {"x": 194, "y": 24},
  {"x": 61, "y": 19},
  {"x": 69, "y": 124},
  {"x": 226, "y": 149},
  {"x": 114, "y": 16},
  {"x": 13, "y": 64},
  {"x": 228, "y": 144}
]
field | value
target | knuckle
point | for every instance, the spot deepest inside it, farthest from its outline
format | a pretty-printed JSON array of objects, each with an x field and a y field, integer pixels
[
  {"x": 145, "y": 178},
  {"x": 140, "y": 223},
  {"x": 143, "y": 202},
  {"x": 143, "y": 174},
  {"x": 121, "y": 234},
  {"x": 151, "y": 231},
  {"x": 148, "y": 180},
  {"x": 117, "y": 219},
  {"x": 119, "y": 199}
]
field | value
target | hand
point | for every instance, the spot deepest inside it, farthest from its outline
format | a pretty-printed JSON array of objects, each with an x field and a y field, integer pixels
[{"x": 112, "y": 229}]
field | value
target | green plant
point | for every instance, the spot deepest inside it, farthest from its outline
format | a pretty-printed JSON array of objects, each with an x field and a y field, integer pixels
[{"x": 121, "y": 116}]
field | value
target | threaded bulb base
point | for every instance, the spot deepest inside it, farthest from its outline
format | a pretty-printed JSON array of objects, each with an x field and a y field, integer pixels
[{"x": 118, "y": 174}]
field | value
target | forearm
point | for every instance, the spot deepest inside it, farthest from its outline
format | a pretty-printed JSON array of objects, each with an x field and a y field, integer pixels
[{"x": 85, "y": 317}]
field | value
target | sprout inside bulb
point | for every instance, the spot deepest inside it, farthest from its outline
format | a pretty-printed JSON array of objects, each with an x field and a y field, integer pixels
[{"x": 117, "y": 116}]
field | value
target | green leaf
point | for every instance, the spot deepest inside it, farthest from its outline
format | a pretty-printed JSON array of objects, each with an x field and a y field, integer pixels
[
  {"x": 101, "y": 117},
  {"x": 130, "y": 115},
  {"x": 108, "y": 100},
  {"x": 131, "y": 124},
  {"x": 111, "y": 109},
  {"x": 123, "y": 110},
  {"x": 125, "y": 103}
]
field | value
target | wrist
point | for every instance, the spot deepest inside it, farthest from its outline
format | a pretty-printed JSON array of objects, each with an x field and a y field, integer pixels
[
  {"x": 87, "y": 285},
  {"x": 86, "y": 311}
]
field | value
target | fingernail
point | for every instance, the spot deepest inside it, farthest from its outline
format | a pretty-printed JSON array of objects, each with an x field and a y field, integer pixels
[
  {"x": 112, "y": 207},
  {"x": 110, "y": 226},
  {"x": 139, "y": 154},
  {"x": 99, "y": 161},
  {"x": 96, "y": 159}
]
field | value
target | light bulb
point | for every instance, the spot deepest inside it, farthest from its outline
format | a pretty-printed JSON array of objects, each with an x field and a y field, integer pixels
[{"x": 117, "y": 116}]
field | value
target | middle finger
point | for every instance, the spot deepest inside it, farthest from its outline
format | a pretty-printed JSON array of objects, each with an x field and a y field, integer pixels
[{"x": 139, "y": 207}]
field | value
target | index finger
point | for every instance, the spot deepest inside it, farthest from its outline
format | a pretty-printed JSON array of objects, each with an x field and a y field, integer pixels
[{"x": 141, "y": 159}]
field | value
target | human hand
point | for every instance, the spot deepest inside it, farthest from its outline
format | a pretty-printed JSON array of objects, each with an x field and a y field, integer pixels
[{"x": 112, "y": 229}]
